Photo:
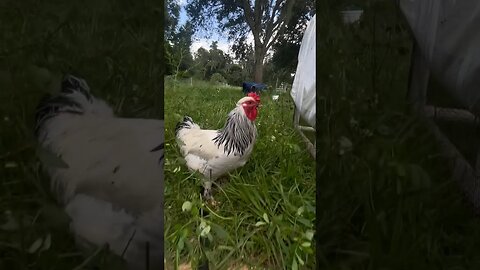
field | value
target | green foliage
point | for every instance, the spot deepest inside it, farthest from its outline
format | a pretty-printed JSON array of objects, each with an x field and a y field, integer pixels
[
  {"x": 209, "y": 62},
  {"x": 387, "y": 200},
  {"x": 266, "y": 212},
  {"x": 171, "y": 16},
  {"x": 177, "y": 51},
  {"x": 116, "y": 47},
  {"x": 236, "y": 75},
  {"x": 266, "y": 20},
  {"x": 217, "y": 78},
  {"x": 285, "y": 50}
]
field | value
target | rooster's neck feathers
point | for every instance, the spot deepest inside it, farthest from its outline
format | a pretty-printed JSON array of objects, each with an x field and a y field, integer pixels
[
  {"x": 74, "y": 98},
  {"x": 186, "y": 123},
  {"x": 237, "y": 134},
  {"x": 52, "y": 106},
  {"x": 64, "y": 102}
]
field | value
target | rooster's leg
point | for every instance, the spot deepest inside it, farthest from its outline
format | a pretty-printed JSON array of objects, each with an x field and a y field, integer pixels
[
  {"x": 207, "y": 193},
  {"x": 207, "y": 190}
]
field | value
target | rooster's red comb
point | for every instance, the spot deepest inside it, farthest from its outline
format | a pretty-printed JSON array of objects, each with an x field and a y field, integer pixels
[{"x": 254, "y": 96}]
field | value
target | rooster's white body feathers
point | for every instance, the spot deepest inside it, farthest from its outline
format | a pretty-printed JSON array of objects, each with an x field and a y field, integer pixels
[
  {"x": 215, "y": 153},
  {"x": 202, "y": 155}
]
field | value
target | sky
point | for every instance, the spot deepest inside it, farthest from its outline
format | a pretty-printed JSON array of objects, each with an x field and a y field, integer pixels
[{"x": 199, "y": 40}]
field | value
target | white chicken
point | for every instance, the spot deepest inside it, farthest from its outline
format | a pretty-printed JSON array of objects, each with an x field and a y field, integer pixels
[
  {"x": 214, "y": 153},
  {"x": 112, "y": 181}
]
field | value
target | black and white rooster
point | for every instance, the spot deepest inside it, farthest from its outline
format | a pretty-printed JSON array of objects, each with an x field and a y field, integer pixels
[
  {"x": 112, "y": 183},
  {"x": 214, "y": 153}
]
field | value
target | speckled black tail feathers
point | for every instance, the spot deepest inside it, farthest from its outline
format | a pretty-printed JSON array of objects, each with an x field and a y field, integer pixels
[
  {"x": 186, "y": 123},
  {"x": 63, "y": 102}
]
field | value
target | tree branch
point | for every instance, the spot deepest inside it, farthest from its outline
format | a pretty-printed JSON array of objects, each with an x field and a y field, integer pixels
[
  {"x": 279, "y": 32},
  {"x": 248, "y": 14},
  {"x": 282, "y": 21},
  {"x": 270, "y": 22}
]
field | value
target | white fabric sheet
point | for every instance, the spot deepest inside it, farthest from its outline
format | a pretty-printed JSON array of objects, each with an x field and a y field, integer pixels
[{"x": 304, "y": 83}]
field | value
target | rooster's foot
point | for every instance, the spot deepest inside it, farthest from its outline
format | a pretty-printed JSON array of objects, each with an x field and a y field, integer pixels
[{"x": 207, "y": 196}]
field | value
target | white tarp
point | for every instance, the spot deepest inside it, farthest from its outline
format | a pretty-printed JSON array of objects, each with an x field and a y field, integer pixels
[
  {"x": 304, "y": 84},
  {"x": 448, "y": 35}
]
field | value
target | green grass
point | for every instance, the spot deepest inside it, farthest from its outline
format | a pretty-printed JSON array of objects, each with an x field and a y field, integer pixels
[
  {"x": 386, "y": 197},
  {"x": 114, "y": 45},
  {"x": 266, "y": 208}
]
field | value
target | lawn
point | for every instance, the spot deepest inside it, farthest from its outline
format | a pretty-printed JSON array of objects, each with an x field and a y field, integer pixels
[
  {"x": 266, "y": 213},
  {"x": 387, "y": 200},
  {"x": 114, "y": 45}
]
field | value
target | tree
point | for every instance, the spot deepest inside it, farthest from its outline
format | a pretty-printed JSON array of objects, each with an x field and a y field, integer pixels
[
  {"x": 211, "y": 61},
  {"x": 266, "y": 20},
  {"x": 202, "y": 57},
  {"x": 177, "y": 50},
  {"x": 235, "y": 75},
  {"x": 218, "y": 60},
  {"x": 207, "y": 63},
  {"x": 178, "y": 40},
  {"x": 285, "y": 56},
  {"x": 172, "y": 16},
  {"x": 217, "y": 78}
]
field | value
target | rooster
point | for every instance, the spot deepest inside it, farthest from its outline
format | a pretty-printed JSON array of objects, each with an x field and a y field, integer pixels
[
  {"x": 111, "y": 184},
  {"x": 214, "y": 153}
]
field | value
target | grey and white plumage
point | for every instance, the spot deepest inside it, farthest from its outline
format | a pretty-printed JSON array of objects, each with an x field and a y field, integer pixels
[
  {"x": 215, "y": 153},
  {"x": 112, "y": 186}
]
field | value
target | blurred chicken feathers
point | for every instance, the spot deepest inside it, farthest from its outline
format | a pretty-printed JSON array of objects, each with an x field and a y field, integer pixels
[{"x": 107, "y": 171}]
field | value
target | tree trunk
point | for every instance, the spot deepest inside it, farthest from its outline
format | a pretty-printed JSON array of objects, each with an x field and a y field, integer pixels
[
  {"x": 259, "y": 57},
  {"x": 258, "y": 77}
]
